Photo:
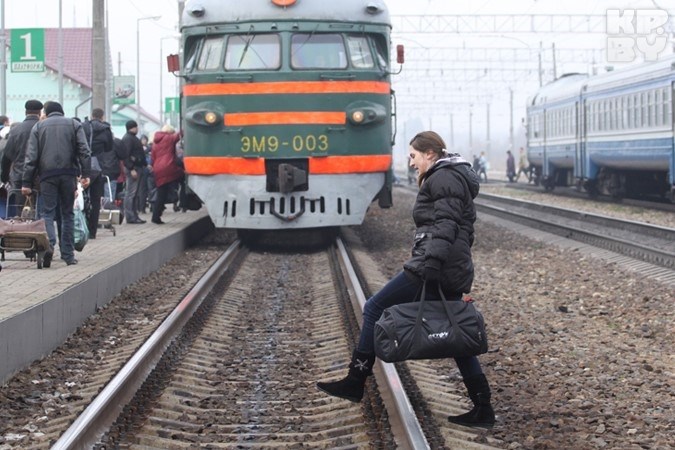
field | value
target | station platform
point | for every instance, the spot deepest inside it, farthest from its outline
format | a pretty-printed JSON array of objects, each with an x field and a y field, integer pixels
[{"x": 40, "y": 308}]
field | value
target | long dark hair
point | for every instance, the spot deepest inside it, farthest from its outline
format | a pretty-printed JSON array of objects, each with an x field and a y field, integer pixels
[{"x": 428, "y": 141}]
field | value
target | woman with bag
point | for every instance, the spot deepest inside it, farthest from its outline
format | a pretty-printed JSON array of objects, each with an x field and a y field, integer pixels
[{"x": 444, "y": 215}]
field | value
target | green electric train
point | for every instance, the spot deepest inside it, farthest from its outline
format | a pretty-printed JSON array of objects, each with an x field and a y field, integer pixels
[{"x": 287, "y": 110}]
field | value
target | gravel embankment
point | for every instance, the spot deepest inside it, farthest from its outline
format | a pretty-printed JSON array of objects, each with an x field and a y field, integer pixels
[{"x": 585, "y": 354}]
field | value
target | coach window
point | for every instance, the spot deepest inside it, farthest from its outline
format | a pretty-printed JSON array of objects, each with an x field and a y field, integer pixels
[
  {"x": 318, "y": 51},
  {"x": 657, "y": 106},
  {"x": 652, "y": 108},
  {"x": 211, "y": 54},
  {"x": 667, "y": 112},
  {"x": 253, "y": 52}
]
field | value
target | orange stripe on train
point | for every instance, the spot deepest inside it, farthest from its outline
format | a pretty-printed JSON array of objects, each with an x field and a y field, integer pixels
[
  {"x": 288, "y": 87},
  {"x": 215, "y": 165},
  {"x": 286, "y": 118}
]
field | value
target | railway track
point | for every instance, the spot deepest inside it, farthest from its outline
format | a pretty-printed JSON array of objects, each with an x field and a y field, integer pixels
[
  {"x": 572, "y": 192},
  {"x": 234, "y": 365},
  {"x": 650, "y": 244}
]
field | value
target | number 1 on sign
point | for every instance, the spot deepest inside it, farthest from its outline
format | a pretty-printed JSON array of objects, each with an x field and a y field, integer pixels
[{"x": 28, "y": 39}]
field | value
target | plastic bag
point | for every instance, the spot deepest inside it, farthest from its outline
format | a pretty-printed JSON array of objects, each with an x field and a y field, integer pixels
[{"x": 81, "y": 232}]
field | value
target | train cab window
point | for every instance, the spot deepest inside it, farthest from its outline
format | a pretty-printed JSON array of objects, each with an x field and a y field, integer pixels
[
  {"x": 359, "y": 52},
  {"x": 211, "y": 54},
  {"x": 318, "y": 51},
  {"x": 253, "y": 52}
]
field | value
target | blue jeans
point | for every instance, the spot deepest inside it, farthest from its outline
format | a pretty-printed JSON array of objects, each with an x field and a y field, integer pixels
[
  {"x": 58, "y": 195},
  {"x": 402, "y": 289},
  {"x": 130, "y": 193}
]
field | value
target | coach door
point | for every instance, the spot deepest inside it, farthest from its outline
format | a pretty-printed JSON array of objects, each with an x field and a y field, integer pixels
[{"x": 580, "y": 142}]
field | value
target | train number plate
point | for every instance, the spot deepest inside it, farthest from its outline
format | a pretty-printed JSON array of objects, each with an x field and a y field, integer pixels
[{"x": 300, "y": 143}]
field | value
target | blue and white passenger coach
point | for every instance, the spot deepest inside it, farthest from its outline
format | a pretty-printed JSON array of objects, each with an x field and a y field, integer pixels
[{"x": 610, "y": 134}]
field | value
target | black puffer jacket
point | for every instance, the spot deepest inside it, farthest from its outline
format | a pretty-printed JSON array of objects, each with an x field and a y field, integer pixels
[{"x": 444, "y": 215}]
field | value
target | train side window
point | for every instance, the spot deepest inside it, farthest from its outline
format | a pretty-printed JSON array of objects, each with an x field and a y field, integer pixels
[
  {"x": 629, "y": 111},
  {"x": 318, "y": 51},
  {"x": 192, "y": 47},
  {"x": 211, "y": 54},
  {"x": 657, "y": 106},
  {"x": 667, "y": 112},
  {"x": 253, "y": 52},
  {"x": 359, "y": 52}
]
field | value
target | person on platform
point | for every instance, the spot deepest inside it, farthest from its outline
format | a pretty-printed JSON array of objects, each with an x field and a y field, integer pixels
[
  {"x": 444, "y": 215},
  {"x": 165, "y": 167},
  {"x": 100, "y": 139},
  {"x": 134, "y": 164},
  {"x": 15, "y": 150},
  {"x": 57, "y": 153}
]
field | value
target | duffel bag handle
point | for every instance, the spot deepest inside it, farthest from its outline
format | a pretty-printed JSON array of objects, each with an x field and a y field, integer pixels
[{"x": 451, "y": 316}]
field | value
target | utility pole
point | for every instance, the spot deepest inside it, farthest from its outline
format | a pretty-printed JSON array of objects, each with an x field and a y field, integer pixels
[
  {"x": 452, "y": 133},
  {"x": 59, "y": 56},
  {"x": 511, "y": 119},
  {"x": 487, "y": 144},
  {"x": 471, "y": 128},
  {"x": 98, "y": 55},
  {"x": 540, "y": 50}
]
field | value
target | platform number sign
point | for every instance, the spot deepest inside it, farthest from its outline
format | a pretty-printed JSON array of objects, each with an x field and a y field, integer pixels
[
  {"x": 171, "y": 104},
  {"x": 28, "y": 50}
]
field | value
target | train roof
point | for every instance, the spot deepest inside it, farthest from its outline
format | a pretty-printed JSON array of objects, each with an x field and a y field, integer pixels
[
  {"x": 211, "y": 12},
  {"x": 565, "y": 87},
  {"x": 632, "y": 74}
]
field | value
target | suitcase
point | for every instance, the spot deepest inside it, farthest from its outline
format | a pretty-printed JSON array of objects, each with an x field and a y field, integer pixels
[{"x": 24, "y": 233}]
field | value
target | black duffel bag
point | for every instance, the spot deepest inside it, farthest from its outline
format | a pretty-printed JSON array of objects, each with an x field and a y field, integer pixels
[{"x": 430, "y": 330}]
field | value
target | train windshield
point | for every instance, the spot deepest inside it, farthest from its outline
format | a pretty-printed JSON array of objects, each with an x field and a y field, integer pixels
[
  {"x": 253, "y": 52},
  {"x": 318, "y": 51},
  {"x": 328, "y": 51}
]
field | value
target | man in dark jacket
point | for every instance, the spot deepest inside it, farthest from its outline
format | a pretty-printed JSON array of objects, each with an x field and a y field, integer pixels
[
  {"x": 15, "y": 150},
  {"x": 58, "y": 153},
  {"x": 100, "y": 139},
  {"x": 134, "y": 163}
]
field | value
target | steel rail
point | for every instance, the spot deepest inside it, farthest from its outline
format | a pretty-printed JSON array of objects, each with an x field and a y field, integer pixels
[
  {"x": 104, "y": 409},
  {"x": 407, "y": 430},
  {"x": 632, "y": 249}
]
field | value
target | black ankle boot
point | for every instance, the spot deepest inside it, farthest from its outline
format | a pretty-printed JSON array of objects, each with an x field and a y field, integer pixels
[
  {"x": 351, "y": 386},
  {"x": 482, "y": 415}
]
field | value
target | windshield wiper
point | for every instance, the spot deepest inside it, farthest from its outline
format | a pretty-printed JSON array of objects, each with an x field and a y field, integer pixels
[{"x": 248, "y": 44}]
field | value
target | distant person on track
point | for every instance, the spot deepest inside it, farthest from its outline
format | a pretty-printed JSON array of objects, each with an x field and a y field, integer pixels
[
  {"x": 523, "y": 165},
  {"x": 57, "y": 153},
  {"x": 510, "y": 166},
  {"x": 483, "y": 166},
  {"x": 444, "y": 215}
]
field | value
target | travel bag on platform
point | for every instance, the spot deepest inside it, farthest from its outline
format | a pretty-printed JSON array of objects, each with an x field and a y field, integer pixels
[{"x": 430, "y": 330}]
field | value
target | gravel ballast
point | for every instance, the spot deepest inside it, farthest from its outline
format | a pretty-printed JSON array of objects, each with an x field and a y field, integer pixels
[{"x": 584, "y": 354}]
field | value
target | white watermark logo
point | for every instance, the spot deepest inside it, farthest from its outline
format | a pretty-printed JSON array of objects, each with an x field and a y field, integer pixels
[{"x": 633, "y": 32}]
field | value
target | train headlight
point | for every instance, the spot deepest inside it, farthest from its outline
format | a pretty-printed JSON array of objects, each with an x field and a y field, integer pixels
[
  {"x": 365, "y": 112},
  {"x": 210, "y": 117},
  {"x": 206, "y": 114}
]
